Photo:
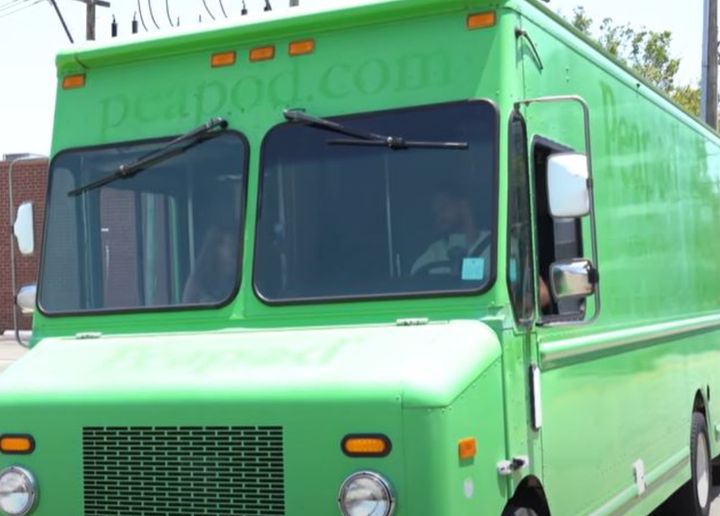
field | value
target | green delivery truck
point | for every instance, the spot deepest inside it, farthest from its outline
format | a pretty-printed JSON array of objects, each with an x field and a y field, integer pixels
[{"x": 411, "y": 257}]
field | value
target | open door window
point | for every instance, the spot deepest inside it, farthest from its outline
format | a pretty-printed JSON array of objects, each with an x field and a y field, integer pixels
[
  {"x": 567, "y": 282},
  {"x": 558, "y": 238}
]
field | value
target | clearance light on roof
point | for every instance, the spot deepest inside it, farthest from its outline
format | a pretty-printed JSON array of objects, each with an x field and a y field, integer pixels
[
  {"x": 262, "y": 53},
  {"x": 366, "y": 445},
  {"x": 481, "y": 20},
  {"x": 17, "y": 444},
  {"x": 72, "y": 82},
  {"x": 221, "y": 59},
  {"x": 299, "y": 48}
]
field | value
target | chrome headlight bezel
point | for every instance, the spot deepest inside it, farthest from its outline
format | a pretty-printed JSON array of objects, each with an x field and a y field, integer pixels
[
  {"x": 380, "y": 482},
  {"x": 32, "y": 491}
]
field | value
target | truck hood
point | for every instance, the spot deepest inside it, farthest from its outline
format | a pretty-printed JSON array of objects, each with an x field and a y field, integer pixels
[{"x": 420, "y": 366}]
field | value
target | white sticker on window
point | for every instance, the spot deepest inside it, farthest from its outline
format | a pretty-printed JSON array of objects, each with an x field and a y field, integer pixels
[{"x": 473, "y": 269}]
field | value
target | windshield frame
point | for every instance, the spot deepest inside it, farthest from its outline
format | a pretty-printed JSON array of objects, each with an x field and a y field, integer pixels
[
  {"x": 245, "y": 144},
  {"x": 346, "y": 119}
]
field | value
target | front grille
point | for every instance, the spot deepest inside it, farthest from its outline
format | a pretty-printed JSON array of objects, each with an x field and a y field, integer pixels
[{"x": 183, "y": 470}]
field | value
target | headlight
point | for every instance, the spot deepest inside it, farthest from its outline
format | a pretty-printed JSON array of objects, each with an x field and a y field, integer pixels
[
  {"x": 18, "y": 491},
  {"x": 366, "y": 494}
]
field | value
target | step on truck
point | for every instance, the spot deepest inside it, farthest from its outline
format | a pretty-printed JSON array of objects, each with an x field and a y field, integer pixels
[{"x": 411, "y": 257}]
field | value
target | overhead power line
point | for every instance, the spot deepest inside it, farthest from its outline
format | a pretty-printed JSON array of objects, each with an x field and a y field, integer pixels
[
  {"x": 21, "y": 7},
  {"x": 208, "y": 9},
  {"x": 142, "y": 18},
  {"x": 167, "y": 10},
  {"x": 11, "y": 5},
  {"x": 152, "y": 14}
]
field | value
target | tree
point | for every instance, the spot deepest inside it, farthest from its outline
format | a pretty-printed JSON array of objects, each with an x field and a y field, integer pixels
[{"x": 646, "y": 52}]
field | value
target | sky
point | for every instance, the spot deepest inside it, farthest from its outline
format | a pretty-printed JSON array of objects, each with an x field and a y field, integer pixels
[{"x": 31, "y": 35}]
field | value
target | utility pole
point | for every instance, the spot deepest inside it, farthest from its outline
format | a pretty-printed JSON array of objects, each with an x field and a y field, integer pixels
[
  {"x": 710, "y": 64},
  {"x": 90, "y": 16}
]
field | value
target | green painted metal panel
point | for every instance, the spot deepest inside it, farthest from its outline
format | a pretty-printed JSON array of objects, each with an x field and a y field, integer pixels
[{"x": 614, "y": 392}]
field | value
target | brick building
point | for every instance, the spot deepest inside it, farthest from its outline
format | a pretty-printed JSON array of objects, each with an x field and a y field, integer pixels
[{"x": 29, "y": 184}]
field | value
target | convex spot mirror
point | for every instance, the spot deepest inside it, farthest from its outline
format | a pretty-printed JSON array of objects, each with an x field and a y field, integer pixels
[
  {"x": 23, "y": 229},
  {"x": 568, "y": 188},
  {"x": 25, "y": 299},
  {"x": 573, "y": 279}
]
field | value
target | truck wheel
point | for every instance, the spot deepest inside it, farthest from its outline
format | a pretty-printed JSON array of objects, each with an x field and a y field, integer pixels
[
  {"x": 524, "y": 505},
  {"x": 696, "y": 495},
  {"x": 516, "y": 510}
]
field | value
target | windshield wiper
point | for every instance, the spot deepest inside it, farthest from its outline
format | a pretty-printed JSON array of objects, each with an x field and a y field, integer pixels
[
  {"x": 157, "y": 156},
  {"x": 361, "y": 138}
]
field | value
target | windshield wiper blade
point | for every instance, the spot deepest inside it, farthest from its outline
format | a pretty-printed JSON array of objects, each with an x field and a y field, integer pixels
[
  {"x": 295, "y": 115},
  {"x": 156, "y": 156},
  {"x": 397, "y": 143},
  {"x": 361, "y": 138}
]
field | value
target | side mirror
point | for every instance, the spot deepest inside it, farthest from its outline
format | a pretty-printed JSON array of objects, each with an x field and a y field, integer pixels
[
  {"x": 24, "y": 229},
  {"x": 573, "y": 279},
  {"x": 568, "y": 189},
  {"x": 26, "y": 299}
]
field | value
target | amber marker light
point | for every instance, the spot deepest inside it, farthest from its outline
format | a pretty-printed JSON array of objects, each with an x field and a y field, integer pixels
[
  {"x": 301, "y": 48},
  {"x": 17, "y": 444},
  {"x": 467, "y": 448},
  {"x": 366, "y": 445},
  {"x": 72, "y": 82},
  {"x": 262, "y": 53},
  {"x": 481, "y": 20},
  {"x": 223, "y": 59}
]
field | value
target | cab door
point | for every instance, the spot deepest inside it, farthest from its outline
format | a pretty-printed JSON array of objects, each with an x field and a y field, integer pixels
[{"x": 524, "y": 454}]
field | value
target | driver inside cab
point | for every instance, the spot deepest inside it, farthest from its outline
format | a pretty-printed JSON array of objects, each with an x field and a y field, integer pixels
[{"x": 462, "y": 249}]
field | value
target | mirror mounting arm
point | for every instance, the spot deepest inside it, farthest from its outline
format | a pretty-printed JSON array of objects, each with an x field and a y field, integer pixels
[
  {"x": 526, "y": 103},
  {"x": 11, "y": 203}
]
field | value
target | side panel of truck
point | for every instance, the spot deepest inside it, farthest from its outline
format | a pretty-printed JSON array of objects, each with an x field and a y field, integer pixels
[{"x": 619, "y": 393}]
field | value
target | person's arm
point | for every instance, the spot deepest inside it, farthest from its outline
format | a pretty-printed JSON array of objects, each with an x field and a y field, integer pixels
[
  {"x": 429, "y": 256},
  {"x": 545, "y": 298}
]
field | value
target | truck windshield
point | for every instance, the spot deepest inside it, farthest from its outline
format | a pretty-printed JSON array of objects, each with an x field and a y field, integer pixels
[
  {"x": 354, "y": 221},
  {"x": 166, "y": 238}
]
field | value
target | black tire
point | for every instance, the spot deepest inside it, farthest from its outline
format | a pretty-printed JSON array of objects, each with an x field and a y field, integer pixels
[{"x": 695, "y": 497}]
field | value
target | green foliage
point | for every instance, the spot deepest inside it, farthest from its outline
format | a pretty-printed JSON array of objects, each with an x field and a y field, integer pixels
[{"x": 646, "y": 52}]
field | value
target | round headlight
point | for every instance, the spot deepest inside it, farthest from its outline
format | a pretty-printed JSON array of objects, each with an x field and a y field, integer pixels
[
  {"x": 18, "y": 491},
  {"x": 366, "y": 494}
]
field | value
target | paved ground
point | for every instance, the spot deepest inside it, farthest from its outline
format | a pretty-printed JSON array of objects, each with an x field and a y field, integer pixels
[
  {"x": 11, "y": 351},
  {"x": 668, "y": 509},
  {"x": 715, "y": 509}
]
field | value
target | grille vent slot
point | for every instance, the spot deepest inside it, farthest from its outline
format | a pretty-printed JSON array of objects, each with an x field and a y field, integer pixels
[{"x": 183, "y": 470}]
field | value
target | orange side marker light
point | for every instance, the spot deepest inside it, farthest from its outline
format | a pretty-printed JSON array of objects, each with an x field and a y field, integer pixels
[
  {"x": 467, "y": 448},
  {"x": 481, "y": 20},
  {"x": 72, "y": 82}
]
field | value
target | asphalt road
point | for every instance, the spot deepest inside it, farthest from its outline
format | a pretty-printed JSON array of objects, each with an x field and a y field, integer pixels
[
  {"x": 668, "y": 510},
  {"x": 10, "y": 351}
]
